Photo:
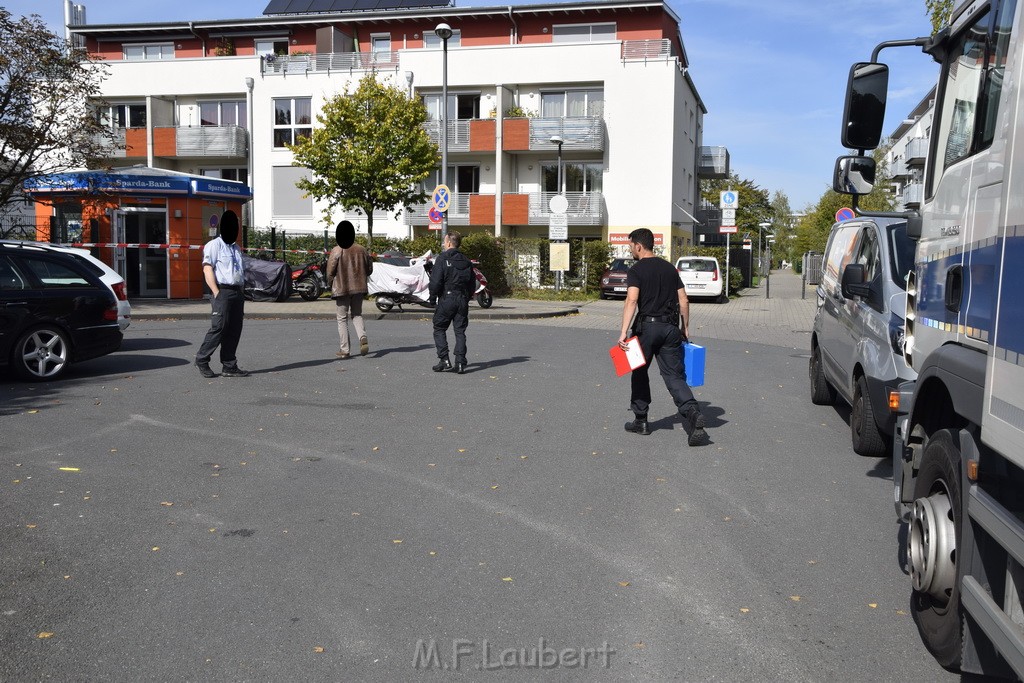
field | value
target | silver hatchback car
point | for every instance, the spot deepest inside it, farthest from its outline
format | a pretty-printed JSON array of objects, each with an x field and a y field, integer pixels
[{"x": 857, "y": 340}]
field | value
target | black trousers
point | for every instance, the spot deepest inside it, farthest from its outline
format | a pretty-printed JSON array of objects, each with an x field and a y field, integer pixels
[
  {"x": 661, "y": 341},
  {"x": 452, "y": 309},
  {"x": 225, "y": 328}
]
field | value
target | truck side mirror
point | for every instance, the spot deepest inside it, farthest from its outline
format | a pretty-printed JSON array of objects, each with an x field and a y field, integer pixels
[
  {"x": 852, "y": 283},
  {"x": 854, "y": 175},
  {"x": 864, "y": 111}
]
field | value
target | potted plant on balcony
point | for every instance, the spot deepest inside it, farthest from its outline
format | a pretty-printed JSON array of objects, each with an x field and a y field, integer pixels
[
  {"x": 225, "y": 47},
  {"x": 517, "y": 112}
]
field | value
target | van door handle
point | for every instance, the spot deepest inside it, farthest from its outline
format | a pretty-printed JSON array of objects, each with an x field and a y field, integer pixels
[
  {"x": 16, "y": 303},
  {"x": 954, "y": 288}
]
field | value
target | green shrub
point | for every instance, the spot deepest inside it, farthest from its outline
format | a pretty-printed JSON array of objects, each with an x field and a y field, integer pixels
[
  {"x": 735, "y": 280},
  {"x": 490, "y": 252}
]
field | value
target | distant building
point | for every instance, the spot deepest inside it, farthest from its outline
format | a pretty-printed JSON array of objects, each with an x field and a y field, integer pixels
[
  {"x": 906, "y": 156},
  {"x": 610, "y": 78}
]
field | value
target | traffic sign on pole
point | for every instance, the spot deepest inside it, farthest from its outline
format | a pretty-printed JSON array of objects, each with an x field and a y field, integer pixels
[
  {"x": 844, "y": 214},
  {"x": 442, "y": 197},
  {"x": 729, "y": 200}
]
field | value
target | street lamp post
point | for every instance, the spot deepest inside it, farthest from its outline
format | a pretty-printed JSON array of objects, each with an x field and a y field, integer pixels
[
  {"x": 444, "y": 32},
  {"x": 557, "y": 140},
  {"x": 760, "y": 262},
  {"x": 768, "y": 274}
]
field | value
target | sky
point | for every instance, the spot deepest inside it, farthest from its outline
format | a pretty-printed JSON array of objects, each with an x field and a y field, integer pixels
[{"x": 771, "y": 73}]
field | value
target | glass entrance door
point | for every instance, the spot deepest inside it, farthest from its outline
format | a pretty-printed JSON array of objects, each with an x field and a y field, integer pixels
[{"x": 147, "y": 267}]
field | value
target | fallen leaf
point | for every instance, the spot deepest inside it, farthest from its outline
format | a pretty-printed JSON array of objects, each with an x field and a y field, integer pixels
[
  {"x": 355, "y": 514},
  {"x": 396, "y": 541},
  {"x": 69, "y": 469},
  {"x": 812, "y": 562},
  {"x": 794, "y": 598},
  {"x": 166, "y": 504},
  {"x": 901, "y": 613},
  {"x": 433, "y": 552},
  {"x": 744, "y": 610},
  {"x": 462, "y": 450},
  {"x": 30, "y": 526},
  {"x": 623, "y": 583},
  {"x": 33, "y": 412},
  {"x": 156, "y": 548},
  {"x": 493, "y": 487},
  {"x": 507, "y": 578},
  {"x": 872, "y": 605},
  {"x": 376, "y": 448},
  {"x": 44, "y": 634},
  {"x": 179, "y": 573},
  {"x": 639, "y": 646},
  {"x": 318, "y": 650}
]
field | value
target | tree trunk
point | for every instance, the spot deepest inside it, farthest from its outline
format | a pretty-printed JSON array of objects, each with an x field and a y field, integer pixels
[{"x": 369, "y": 230}]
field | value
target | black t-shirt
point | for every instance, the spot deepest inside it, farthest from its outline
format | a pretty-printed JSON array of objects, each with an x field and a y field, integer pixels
[{"x": 659, "y": 285}]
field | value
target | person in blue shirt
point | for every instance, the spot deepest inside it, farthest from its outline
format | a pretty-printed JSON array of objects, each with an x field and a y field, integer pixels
[{"x": 224, "y": 273}]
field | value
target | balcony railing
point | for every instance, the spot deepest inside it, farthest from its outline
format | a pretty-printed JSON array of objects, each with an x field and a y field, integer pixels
[
  {"x": 646, "y": 50},
  {"x": 327, "y": 62},
  {"x": 916, "y": 151},
  {"x": 585, "y": 133},
  {"x": 714, "y": 162},
  {"x": 898, "y": 169},
  {"x": 211, "y": 141},
  {"x": 458, "y": 134},
  {"x": 585, "y": 208},
  {"x": 912, "y": 195}
]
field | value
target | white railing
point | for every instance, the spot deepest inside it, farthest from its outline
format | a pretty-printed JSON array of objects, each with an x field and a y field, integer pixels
[
  {"x": 211, "y": 141},
  {"x": 646, "y": 50},
  {"x": 328, "y": 62}
]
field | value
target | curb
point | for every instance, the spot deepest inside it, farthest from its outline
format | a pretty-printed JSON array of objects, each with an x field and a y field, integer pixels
[{"x": 426, "y": 314}]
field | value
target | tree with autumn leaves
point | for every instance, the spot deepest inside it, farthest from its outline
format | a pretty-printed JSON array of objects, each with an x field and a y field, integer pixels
[
  {"x": 48, "y": 91},
  {"x": 369, "y": 151}
]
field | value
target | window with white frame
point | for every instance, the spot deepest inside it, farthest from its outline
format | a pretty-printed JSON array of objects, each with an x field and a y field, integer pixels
[
  {"x": 226, "y": 113},
  {"x": 286, "y": 200},
  {"x": 581, "y": 102},
  {"x": 578, "y": 176},
  {"x": 277, "y": 47},
  {"x": 293, "y": 119},
  {"x": 380, "y": 43},
  {"x": 239, "y": 174},
  {"x": 146, "y": 51},
  {"x": 460, "y": 106},
  {"x": 432, "y": 42},
  {"x": 122, "y": 115},
  {"x": 582, "y": 33}
]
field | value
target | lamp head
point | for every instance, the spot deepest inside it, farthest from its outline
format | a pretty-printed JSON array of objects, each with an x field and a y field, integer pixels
[
  {"x": 443, "y": 31},
  {"x": 557, "y": 140}
]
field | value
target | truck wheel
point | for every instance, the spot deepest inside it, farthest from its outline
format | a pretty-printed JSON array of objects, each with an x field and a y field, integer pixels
[
  {"x": 867, "y": 440},
  {"x": 822, "y": 393},
  {"x": 932, "y": 549}
]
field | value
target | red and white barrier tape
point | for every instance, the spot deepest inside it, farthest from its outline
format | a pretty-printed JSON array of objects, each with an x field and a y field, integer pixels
[{"x": 142, "y": 245}]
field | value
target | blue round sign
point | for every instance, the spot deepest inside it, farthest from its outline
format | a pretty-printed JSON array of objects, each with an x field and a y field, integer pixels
[{"x": 844, "y": 214}]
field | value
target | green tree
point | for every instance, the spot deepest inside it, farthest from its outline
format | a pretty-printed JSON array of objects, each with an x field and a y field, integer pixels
[
  {"x": 47, "y": 124},
  {"x": 939, "y": 11},
  {"x": 754, "y": 205},
  {"x": 369, "y": 151}
]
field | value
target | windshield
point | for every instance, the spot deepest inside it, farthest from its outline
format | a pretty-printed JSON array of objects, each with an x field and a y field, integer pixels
[
  {"x": 621, "y": 264},
  {"x": 901, "y": 251}
]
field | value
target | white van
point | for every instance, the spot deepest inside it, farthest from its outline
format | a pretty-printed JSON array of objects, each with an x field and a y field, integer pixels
[{"x": 857, "y": 340}]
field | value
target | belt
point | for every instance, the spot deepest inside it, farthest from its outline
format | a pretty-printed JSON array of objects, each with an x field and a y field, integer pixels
[
  {"x": 223, "y": 286},
  {"x": 660, "y": 319}
]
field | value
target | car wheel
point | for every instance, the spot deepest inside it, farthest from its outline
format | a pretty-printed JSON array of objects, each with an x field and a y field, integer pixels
[
  {"x": 42, "y": 353},
  {"x": 933, "y": 539},
  {"x": 867, "y": 440},
  {"x": 822, "y": 393}
]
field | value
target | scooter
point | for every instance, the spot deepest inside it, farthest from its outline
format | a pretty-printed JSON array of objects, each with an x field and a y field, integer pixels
[
  {"x": 483, "y": 293},
  {"x": 309, "y": 281},
  {"x": 397, "y": 280}
]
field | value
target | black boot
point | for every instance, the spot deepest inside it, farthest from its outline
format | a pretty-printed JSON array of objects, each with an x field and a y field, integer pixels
[
  {"x": 442, "y": 365},
  {"x": 697, "y": 435},
  {"x": 205, "y": 370},
  {"x": 638, "y": 426},
  {"x": 460, "y": 367}
]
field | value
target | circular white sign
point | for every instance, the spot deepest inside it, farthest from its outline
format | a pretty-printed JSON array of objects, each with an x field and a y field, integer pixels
[{"x": 558, "y": 204}]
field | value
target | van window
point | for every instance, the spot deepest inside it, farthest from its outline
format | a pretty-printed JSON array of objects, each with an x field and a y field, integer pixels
[
  {"x": 901, "y": 254},
  {"x": 840, "y": 252},
  {"x": 868, "y": 254}
]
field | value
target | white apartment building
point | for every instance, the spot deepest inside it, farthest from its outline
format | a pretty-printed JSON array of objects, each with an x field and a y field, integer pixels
[
  {"x": 221, "y": 98},
  {"x": 906, "y": 155}
]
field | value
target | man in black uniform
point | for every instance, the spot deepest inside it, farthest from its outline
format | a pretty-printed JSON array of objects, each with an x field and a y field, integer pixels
[
  {"x": 451, "y": 285},
  {"x": 656, "y": 295}
]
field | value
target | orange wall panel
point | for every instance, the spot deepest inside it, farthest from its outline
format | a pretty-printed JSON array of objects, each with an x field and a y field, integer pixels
[
  {"x": 135, "y": 142},
  {"x": 481, "y": 209},
  {"x": 515, "y": 134},
  {"x": 515, "y": 209},
  {"x": 482, "y": 135},
  {"x": 165, "y": 142}
]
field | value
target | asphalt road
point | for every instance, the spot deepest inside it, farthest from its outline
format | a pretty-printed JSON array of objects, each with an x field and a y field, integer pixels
[{"x": 369, "y": 519}]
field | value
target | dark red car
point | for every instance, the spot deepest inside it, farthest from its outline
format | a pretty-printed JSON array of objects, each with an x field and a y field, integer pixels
[{"x": 613, "y": 279}]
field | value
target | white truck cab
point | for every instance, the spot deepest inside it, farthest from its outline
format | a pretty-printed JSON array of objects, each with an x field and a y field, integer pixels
[{"x": 958, "y": 455}]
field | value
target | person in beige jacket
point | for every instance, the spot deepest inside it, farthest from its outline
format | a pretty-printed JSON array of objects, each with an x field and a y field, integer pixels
[{"x": 348, "y": 267}]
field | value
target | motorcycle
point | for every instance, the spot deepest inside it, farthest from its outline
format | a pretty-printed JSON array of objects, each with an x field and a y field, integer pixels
[
  {"x": 309, "y": 281},
  {"x": 398, "y": 279}
]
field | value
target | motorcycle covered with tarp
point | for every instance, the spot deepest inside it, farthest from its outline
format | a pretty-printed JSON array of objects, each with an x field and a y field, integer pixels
[
  {"x": 266, "y": 280},
  {"x": 398, "y": 279}
]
